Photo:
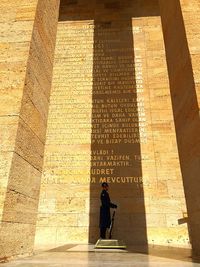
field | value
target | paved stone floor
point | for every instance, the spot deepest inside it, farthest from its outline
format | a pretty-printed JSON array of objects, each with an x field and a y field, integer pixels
[{"x": 84, "y": 256}]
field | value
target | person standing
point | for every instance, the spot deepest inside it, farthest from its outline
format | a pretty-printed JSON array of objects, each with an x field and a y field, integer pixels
[{"x": 105, "y": 219}]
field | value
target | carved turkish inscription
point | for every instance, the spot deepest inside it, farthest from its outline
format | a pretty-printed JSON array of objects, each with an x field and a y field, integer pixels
[
  {"x": 118, "y": 111},
  {"x": 68, "y": 148},
  {"x": 97, "y": 102}
]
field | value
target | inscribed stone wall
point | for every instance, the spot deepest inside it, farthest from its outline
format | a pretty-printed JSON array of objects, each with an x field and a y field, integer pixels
[
  {"x": 30, "y": 45},
  {"x": 64, "y": 198},
  {"x": 111, "y": 120},
  {"x": 180, "y": 21}
]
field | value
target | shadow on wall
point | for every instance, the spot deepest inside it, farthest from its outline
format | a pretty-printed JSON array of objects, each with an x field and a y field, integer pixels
[
  {"x": 115, "y": 140},
  {"x": 115, "y": 149},
  {"x": 185, "y": 109},
  {"x": 116, "y": 152}
]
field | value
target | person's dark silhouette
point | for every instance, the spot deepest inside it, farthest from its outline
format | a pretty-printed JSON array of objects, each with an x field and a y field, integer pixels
[{"x": 105, "y": 219}]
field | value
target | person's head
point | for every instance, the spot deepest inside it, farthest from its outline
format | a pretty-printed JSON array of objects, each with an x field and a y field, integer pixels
[{"x": 105, "y": 186}]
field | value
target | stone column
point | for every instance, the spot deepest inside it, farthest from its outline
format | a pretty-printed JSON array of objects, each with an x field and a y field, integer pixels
[
  {"x": 180, "y": 20},
  {"x": 28, "y": 33}
]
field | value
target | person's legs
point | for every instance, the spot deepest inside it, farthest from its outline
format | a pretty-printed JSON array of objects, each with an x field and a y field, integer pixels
[{"x": 103, "y": 232}]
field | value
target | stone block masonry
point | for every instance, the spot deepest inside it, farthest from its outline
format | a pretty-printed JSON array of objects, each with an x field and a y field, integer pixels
[
  {"x": 123, "y": 108},
  {"x": 180, "y": 20},
  {"x": 26, "y": 60}
]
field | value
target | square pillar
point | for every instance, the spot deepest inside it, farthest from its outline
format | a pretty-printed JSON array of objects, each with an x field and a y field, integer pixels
[
  {"x": 180, "y": 20},
  {"x": 28, "y": 33}
]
